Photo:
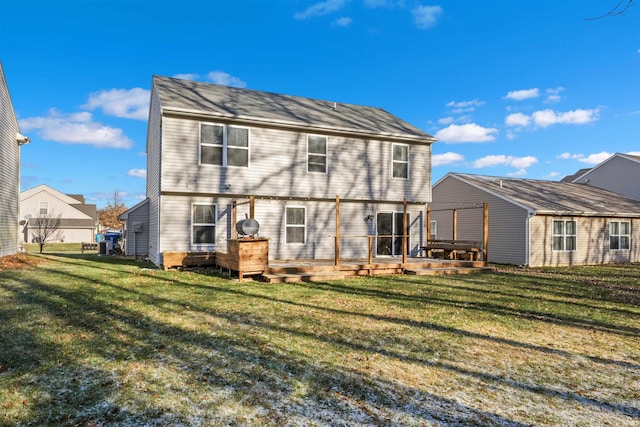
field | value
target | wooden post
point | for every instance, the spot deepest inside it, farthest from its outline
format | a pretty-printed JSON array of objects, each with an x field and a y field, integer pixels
[
  {"x": 454, "y": 231},
  {"x": 337, "y": 255},
  {"x": 485, "y": 231},
  {"x": 404, "y": 234},
  {"x": 428, "y": 225},
  {"x": 252, "y": 206},
  {"x": 234, "y": 219},
  {"x": 370, "y": 255}
]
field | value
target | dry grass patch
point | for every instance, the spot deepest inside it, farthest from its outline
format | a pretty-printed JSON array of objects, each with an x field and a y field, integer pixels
[{"x": 100, "y": 341}]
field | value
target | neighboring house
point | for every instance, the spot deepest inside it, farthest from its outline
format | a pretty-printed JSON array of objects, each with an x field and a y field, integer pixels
[
  {"x": 10, "y": 142},
  {"x": 78, "y": 220},
  {"x": 210, "y": 145},
  {"x": 620, "y": 173},
  {"x": 539, "y": 223},
  {"x": 136, "y": 229}
]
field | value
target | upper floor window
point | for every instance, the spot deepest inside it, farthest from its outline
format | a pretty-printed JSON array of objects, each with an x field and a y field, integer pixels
[
  {"x": 295, "y": 225},
  {"x": 564, "y": 235},
  {"x": 224, "y": 145},
  {"x": 44, "y": 208},
  {"x": 400, "y": 161},
  {"x": 203, "y": 224},
  {"x": 316, "y": 153},
  {"x": 619, "y": 235}
]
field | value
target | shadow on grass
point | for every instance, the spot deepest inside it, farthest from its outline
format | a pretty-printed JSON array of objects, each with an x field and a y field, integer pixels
[
  {"x": 254, "y": 369},
  {"x": 73, "y": 388}
]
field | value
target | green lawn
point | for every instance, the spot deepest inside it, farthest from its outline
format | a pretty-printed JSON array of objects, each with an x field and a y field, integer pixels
[{"x": 93, "y": 341}]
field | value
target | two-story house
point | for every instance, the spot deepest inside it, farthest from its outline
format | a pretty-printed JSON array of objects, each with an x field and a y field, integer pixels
[
  {"x": 77, "y": 220},
  {"x": 210, "y": 145},
  {"x": 10, "y": 142}
]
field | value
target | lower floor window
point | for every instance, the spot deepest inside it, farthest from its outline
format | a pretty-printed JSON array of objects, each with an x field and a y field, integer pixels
[
  {"x": 295, "y": 225},
  {"x": 203, "y": 224},
  {"x": 619, "y": 235},
  {"x": 564, "y": 235}
]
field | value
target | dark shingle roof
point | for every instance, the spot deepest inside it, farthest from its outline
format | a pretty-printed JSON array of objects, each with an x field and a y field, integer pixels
[
  {"x": 284, "y": 110},
  {"x": 578, "y": 174},
  {"x": 556, "y": 197}
]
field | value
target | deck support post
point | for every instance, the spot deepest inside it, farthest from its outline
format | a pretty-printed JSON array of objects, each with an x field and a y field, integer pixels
[
  {"x": 370, "y": 255},
  {"x": 234, "y": 219},
  {"x": 428, "y": 225},
  {"x": 454, "y": 228},
  {"x": 485, "y": 231},
  {"x": 252, "y": 207},
  {"x": 404, "y": 234},
  {"x": 337, "y": 255}
]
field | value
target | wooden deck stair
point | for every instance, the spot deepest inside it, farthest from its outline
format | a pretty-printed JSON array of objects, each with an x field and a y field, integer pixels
[{"x": 316, "y": 272}]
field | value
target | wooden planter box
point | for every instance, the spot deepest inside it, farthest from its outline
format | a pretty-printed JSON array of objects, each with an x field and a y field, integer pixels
[
  {"x": 187, "y": 259},
  {"x": 246, "y": 256}
]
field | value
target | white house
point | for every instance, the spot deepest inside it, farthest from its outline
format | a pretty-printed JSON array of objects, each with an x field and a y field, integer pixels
[
  {"x": 210, "y": 145},
  {"x": 78, "y": 220}
]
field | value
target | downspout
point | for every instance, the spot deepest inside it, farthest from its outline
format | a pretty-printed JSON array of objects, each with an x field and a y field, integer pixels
[{"x": 530, "y": 214}]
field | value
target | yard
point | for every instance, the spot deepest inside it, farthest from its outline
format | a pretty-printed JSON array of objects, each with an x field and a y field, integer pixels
[{"x": 92, "y": 341}]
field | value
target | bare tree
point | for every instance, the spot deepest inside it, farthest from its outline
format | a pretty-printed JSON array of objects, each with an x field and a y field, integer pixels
[
  {"x": 108, "y": 216},
  {"x": 619, "y": 9},
  {"x": 45, "y": 228}
]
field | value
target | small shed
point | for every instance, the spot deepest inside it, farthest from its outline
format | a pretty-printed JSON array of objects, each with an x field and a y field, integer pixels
[{"x": 136, "y": 230}]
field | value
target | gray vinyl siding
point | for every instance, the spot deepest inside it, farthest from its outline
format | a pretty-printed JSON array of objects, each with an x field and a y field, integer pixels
[
  {"x": 137, "y": 244},
  {"x": 154, "y": 145},
  {"x": 320, "y": 226},
  {"x": 507, "y": 221},
  {"x": 592, "y": 246},
  {"x": 617, "y": 174},
  {"x": 357, "y": 168},
  {"x": 9, "y": 172}
]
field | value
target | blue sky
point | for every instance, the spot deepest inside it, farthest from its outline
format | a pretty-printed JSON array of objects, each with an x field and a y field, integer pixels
[{"x": 528, "y": 88}]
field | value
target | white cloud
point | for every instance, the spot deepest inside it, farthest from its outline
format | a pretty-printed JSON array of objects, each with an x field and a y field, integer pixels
[
  {"x": 320, "y": 9},
  {"x": 591, "y": 159},
  {"x": 446, "y": 159},
  {"x": 138, "y": 173},
  {"x": 469, "y": 132},
  {"x": 519, "y": 95},
  {"x": 549, "y": 117},
  {"x": 517, "y": 119},
  {"x": 446, "y": 120},
  {"x": 553, "y": 95},
  {"x": 594, "y": 159},
  {"x": 566, "y": 156},
  {"x": 126, "y": 103},
  {"x": 77, "y": 128},
  {"x": 222, "y": 78},
  {"x": 634, "y": 153},
  {"x": 520, "y": 163},
  {"x": 187, "y": 76},
  {"x": 343, "y": 21},
  {"x": 426, "y": 16},
  {"x": 464, "y": 106}
]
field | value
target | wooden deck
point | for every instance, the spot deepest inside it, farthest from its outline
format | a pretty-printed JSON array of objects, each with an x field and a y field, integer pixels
[{"x": 280, "y": 271}]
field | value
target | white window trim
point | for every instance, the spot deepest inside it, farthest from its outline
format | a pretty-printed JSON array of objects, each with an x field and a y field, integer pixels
[
  {"x": 564, "y": 236},
  {"x": 304, "y": 226},
  {"x": 225, "y": 147},
  {"x": 193, "y": 224},
  {"x": 401, "y": 161},
  {"x": 326, "y": 153},
  {"x": 619, "y": 235},
  {"x": 46, "y": 205}
]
